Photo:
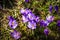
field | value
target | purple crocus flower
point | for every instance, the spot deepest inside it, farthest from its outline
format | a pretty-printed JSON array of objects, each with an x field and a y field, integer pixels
[
  {"x": 24, "y": 19},
  {"x": 46, "y": 31},
  {"x": 58, "y": 23},
  {"x": 50, "y": 8},
  {"x": 12, "y": 23},
  {"x": 31, "y": 16},
  {"x": 44, "y": 23},
  {"x": 56, "y": 8},
  {"x": 49, "y": 18},
  {"x": 31, "y": 25},
  {"x": 15, "y": 34}
]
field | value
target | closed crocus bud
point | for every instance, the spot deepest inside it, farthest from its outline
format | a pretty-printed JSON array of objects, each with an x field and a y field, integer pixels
[
  {"x": 15, "y": 34},
  {"x": 56, "y": 8},
  {"x": 50, "y": 8},
  {"x": 58, "y": 23},
  {"x": 46, "y": 31}
]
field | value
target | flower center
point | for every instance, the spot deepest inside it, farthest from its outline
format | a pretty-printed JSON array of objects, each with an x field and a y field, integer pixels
[
  {"x": 12, "y": 23},
  {"x": 32, "y": 25}
]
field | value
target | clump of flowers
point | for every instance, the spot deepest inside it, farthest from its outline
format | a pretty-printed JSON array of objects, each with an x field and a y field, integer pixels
[
  {"x": 49, "y": 19},
  {"x": 13, "y": 24},
  {"x": 28, "y": 16}
]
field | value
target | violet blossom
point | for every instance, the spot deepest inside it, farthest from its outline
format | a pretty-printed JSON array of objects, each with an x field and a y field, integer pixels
[
  {"x": 31, "y": 25},
  {"x": 46, "y": 31},
  {"x": 50, "y": 8},
  {"x": 44, "y": 23},
  {"x": 49, "y": 18},
  {"x": 15, "y": 34},
  {"x": 31, "y": 16},
  {"x": 56, "y": 8},
  {"x": 12, "y": 23}
]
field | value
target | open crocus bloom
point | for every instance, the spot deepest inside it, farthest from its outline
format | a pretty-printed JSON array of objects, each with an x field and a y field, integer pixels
[
  {"x": 12, "y": 23},
  {"x": 49, "y": 18},
  {"x": 31, "y": 16},
  {"x": 32, "y": 25},
  {"x": 15, "y": 34}
]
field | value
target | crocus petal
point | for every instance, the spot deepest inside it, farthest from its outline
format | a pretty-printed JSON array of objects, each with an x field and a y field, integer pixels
[
  {"x": 24, "y": 18},
  {"x": 37, "y": 19},
  {"x": 22, "y": 11},
  {"x": 27, "y": 11},
  {"x": 10, "y": 18}
]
